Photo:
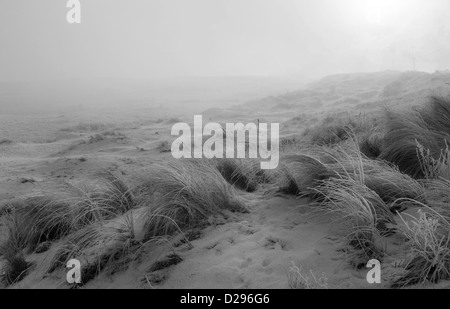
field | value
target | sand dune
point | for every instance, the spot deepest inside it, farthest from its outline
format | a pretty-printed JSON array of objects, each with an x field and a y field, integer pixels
[{"x": 277, "y": 238}]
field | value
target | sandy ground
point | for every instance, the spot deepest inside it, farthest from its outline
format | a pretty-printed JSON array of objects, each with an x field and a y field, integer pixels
[{"x": 254, "y": 250}]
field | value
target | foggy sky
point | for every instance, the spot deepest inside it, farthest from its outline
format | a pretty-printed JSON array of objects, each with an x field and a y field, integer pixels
[{"x": 153, "y": 38}]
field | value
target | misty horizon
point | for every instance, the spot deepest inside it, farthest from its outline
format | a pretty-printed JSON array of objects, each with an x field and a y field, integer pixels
[{"x": 146, "y": 40}]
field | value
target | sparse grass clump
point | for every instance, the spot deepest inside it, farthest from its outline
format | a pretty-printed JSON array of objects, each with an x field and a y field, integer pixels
[
  {"x": 164, "y": 146},
  {"x": 87, "y": 127},
  {"x": 5, "y": 141},
  {"x": 112, "y": 133},
  {"x": 169, "y": 260},
  {"x": 429, "y": 255},
  {"x": 185, "y": 194},
  {"x": 300, "y": 280}
]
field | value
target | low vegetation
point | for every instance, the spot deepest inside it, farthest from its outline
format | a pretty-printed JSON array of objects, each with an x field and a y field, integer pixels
[
  {"x": 298, "y": 279},
  {"x": 366, "y": 176},
  {"x": 5, "y": 141},
  {"x": 96, "y": 222},
  {"x": 243, "y": 174},
  {"x": 87, "y": 127},
  {"x": 185, "y": 194},
  {"x": 428, "y": 126},
  {"x": 429, "y": 256},
  {"x": 362, "y": 170}
]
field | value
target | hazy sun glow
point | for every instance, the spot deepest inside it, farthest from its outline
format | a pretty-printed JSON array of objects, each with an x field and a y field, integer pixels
[
  {"x": 386, "y": 12},
  {"x": 154, "y": 38},
  {"x": 375, "y": 15}
]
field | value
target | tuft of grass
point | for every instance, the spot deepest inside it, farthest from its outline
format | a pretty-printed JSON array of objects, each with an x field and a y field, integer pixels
[
  {"x": 335, "y": 129},
  {"x": 347, "y": 196},
  {"x": 108, "y": 197},
  {"x": 299, "y": 173},
  {"x": 6, "y": 209},
  {"x": 364, "y": 213},
  {"x": 171, "y": 259},
  {"x": 437, "y": 196},
  {"x": 5, "y": 141},
  {"x": 428, "y": 127},
  {"x": 15, "y": 266},
  {"x": 108, "y": 246},
  {"x": 74, "y": 245},
  {"x": 391, "y": 184},
  {"x": 429, "y": 256},
  {"x": 15, "y": 269},
  {"x": 383, "y": 178},
  {"x": 432, "y": 168},
  {"x": 300, "y": 280},
  {"x": 185, "y": 194},
  {"x": 117, "y": 194},
  {"x": 371, "y": 145},
  {"x": 244, "y": 174},
  {"x": 164, "y": 146},
  {"x": 39, "y": 219}
]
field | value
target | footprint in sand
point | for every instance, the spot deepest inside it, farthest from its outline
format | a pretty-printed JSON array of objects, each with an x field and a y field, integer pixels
[
  {"x": 245, "y": 285},
  {"x": 246, "y": 228},
  {"x": 268, "y": 270},
  {"x": 246, "y": 263},
  {"x": 217, "y": 246},
  {"x": 332, "y": 238},
  {"x": 212, "y": 245},
  {"x": 158, "y": 272},
  {"x": 266, "y": 262},
  {"x": 241, "y": 279},
  {"x": 273, "y": 243}
]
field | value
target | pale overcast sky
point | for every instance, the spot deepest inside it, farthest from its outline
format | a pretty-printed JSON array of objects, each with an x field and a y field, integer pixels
[{"x": 153, "y": 38}]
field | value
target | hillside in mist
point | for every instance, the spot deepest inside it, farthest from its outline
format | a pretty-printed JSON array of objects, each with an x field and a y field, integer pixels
[
  {"x": 337, "y": 93},
  {"x": 169, "y": 96}
]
